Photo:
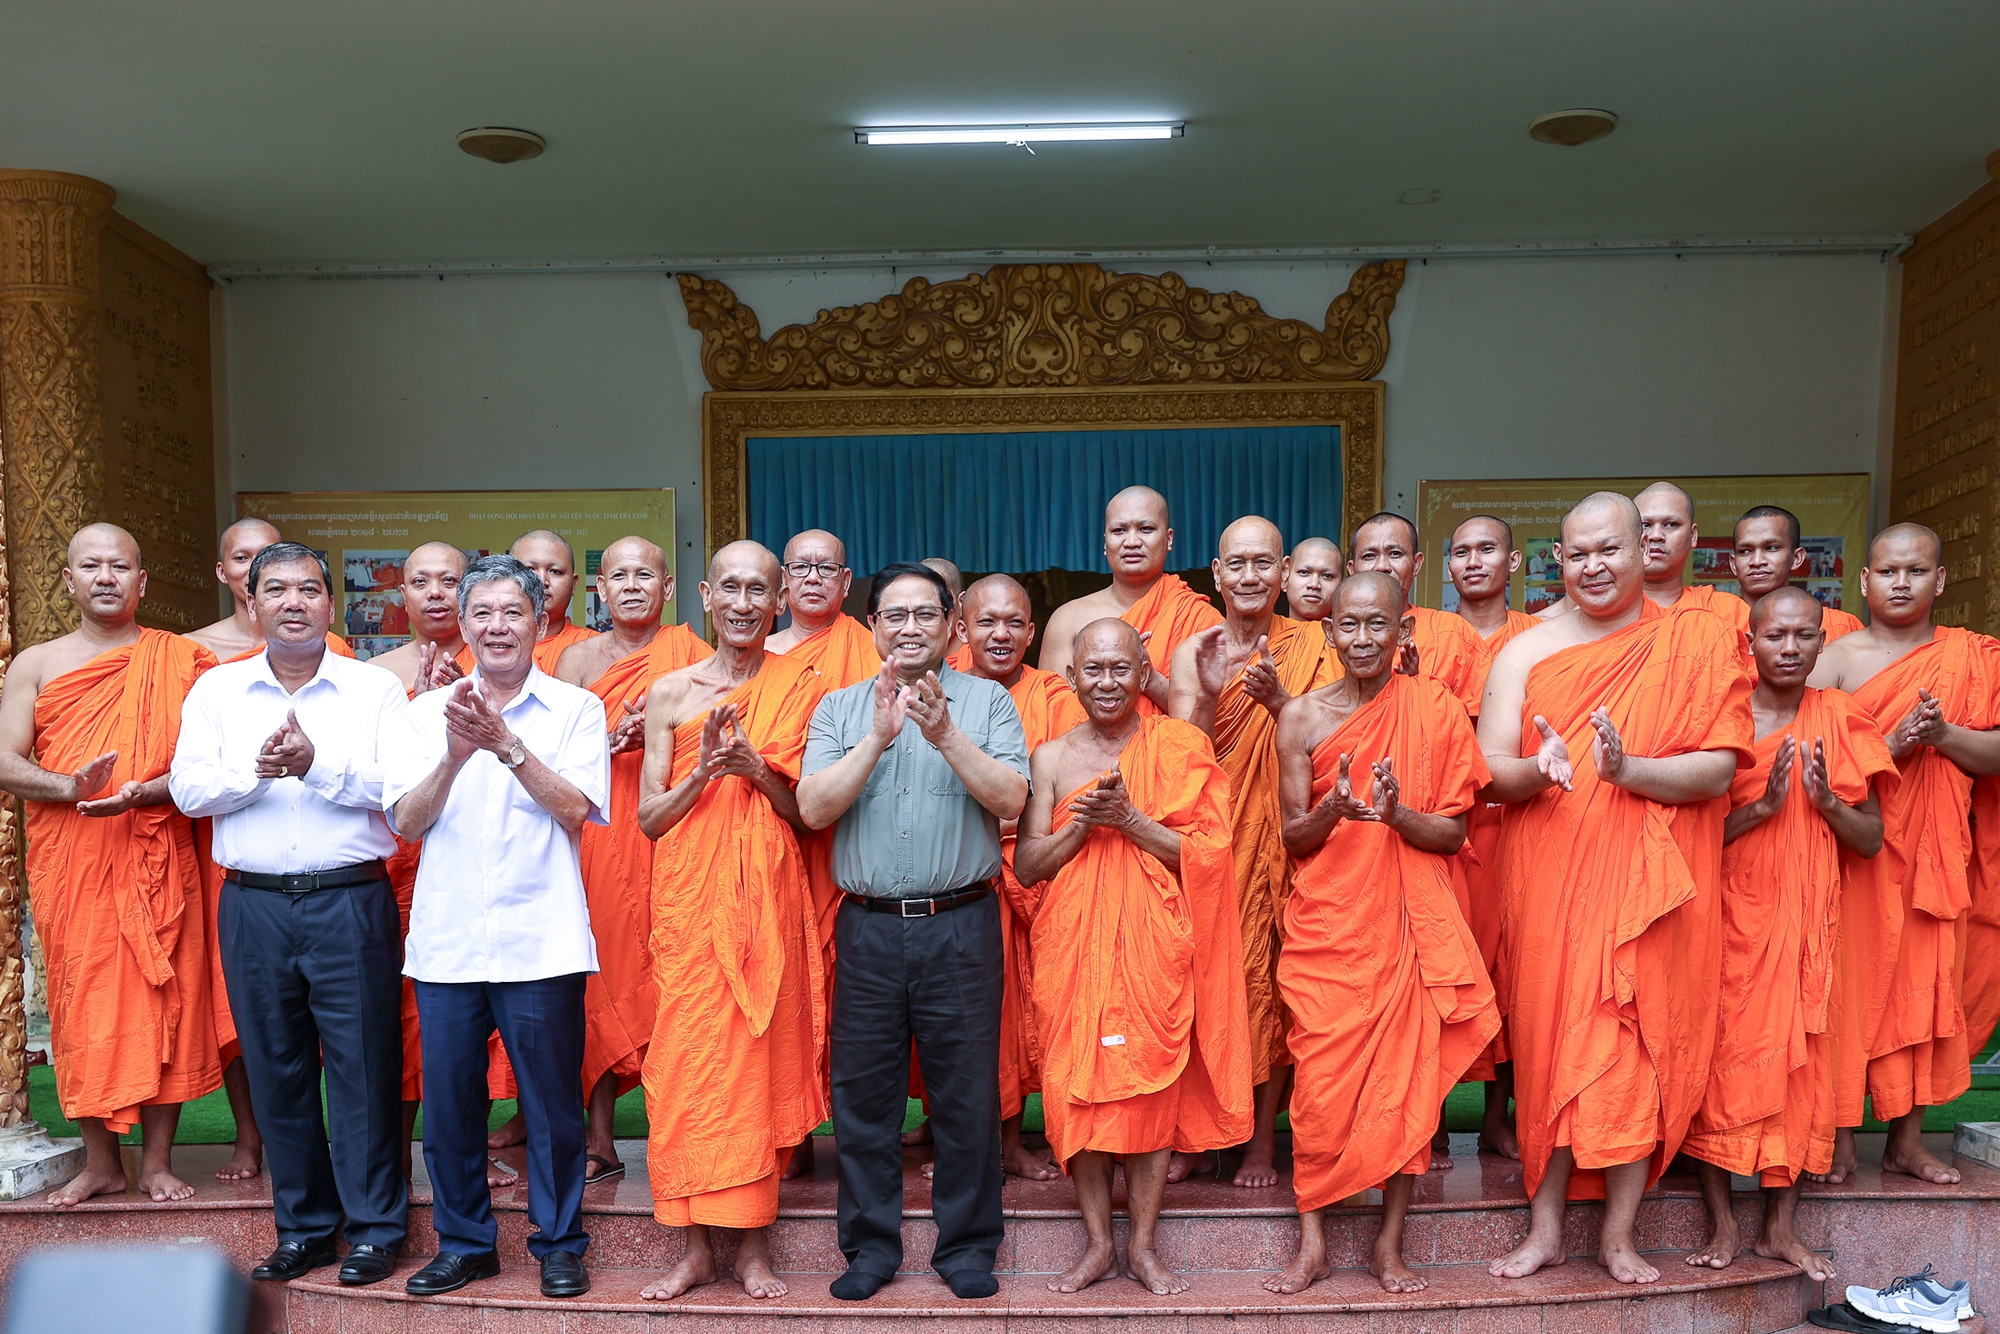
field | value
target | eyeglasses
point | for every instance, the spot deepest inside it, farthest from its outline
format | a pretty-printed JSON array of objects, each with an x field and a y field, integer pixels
[
  {"x": 897, "y": 617},
  {"x": 801, "y": 569}
]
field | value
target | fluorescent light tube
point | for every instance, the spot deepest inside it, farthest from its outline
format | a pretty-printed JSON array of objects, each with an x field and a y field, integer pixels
[{"x": 1016, "y": 134}]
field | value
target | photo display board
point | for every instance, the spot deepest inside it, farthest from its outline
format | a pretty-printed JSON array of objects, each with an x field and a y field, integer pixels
[
  {"x": 365, "y": 535},
  {"x": 1832, "y": 510}
]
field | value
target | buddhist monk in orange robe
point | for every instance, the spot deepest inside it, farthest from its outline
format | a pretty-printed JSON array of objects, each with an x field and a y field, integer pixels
[
  {"x": 1666, "y": 516},
  {"x": 1160, "y": 606},
  {"x": 550, "y": 555},
  {"x": 1613, "y": 733},
  {"x": 1316, "y": 571},
  {"x": 1232, "y": 680},
  {"x": 1138, "y": 963},
  {"x": 1769, "y": 1107},
  {"x": 1390, "y": 1003},
  {"x": 1482, "y": 561},
  {"x": 736, "y": 1073},
  {"x": 88, "y": 725},
  {"x": 1934, "y": 691},
  {"x": 841, "y": 649},
  {"x": 1768, "y": 556}
]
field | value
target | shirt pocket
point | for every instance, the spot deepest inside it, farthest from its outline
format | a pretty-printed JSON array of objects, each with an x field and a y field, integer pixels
[
  {"x": 883, "y": 775},
  {"x": 943, "y": 779}
]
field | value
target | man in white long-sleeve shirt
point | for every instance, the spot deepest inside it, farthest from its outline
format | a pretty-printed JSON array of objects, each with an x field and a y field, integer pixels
[{"x": 286, "y": 751}]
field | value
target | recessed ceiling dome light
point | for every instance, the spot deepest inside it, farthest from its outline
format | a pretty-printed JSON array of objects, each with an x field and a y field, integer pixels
[
  {"x": 1578, "y": 125},
  {"x": 1017, "y": 134},
  {"x": 498, "y": 144}
]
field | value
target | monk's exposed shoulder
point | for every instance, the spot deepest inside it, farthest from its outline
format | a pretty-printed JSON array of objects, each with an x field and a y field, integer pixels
[
  {"x": 584, "y": 661},
  {"x": 222, "y": 640},
  {"x": 1308, "y": 719}
]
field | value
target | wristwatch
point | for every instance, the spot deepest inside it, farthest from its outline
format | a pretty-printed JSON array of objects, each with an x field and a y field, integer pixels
[{"x": 516, "y": 755}]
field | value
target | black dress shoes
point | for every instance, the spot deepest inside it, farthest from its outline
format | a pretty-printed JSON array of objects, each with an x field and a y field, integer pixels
[
  {"x": 365, "y": 1265},
  {"x": 563, "y": 1275},
  {"x": 449, "y": 1273},
  {"x": 293, "y": 1258}
]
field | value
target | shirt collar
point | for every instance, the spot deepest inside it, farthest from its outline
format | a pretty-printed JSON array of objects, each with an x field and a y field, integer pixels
[
  {"x": 537, "y": 687},
  {"x": 265, "y": 676}
]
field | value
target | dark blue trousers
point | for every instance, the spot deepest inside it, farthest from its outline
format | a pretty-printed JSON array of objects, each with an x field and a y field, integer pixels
[
  {"x": 317, "y": 979},
  {"x": 541, "y": 1022}
]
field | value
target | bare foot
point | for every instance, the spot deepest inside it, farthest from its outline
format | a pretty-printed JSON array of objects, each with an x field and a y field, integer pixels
[
  {"x": 512, "y": 1131},
  {"x": 1622, "y": 1258},
  {"x": 1184, "y": 1165},
  {"x": 755, "y": 1272},
  {"x": 1529, "y": 1256},
  {"x": 164, "y": 1186},
  {"x": 1819, "y": 1268},
  {"x": 87, "y": 1184},
  {"x": 1257, "y": 1170},
  {"x": 921, "y": 1135},
  {"x": 691, "y": 1272},
  {"x": 1500, "y": 1139},
  {"x": 801, "y": 1164},
  {"x": 1300, "y": 1274},
  {"x": 1440, "y": 1153},
  {"x": 1723, "y": 1243},
  {"x": 1023, "y": 1162},
  {"x": 498, "y": 1174},
  {"x": 928, "y": 1170},
  {"x": 1396, "y": 1276},
  {"x": 1843, "y": 1160},
  {"x": 1096, "y": 1263},
  {"x": 245, "y": 1163},
  {"x": 1919, "y": 1162},
  {"x": 1147, "y": 1271}
]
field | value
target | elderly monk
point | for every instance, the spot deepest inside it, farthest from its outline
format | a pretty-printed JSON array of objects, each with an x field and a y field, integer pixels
[
  {"x": 1769, "y": 1107},
  {"x": 1482, "y": 559},
  {"x": 88, "y": 725},
  {"x": 1232, "y": 680},
  {"x": 1390, "y": 1002},
  {"x": 1138, "y": 970},
  {"x": 1315, "y": 573},
  {"x": 1666, "y": 513},
  {"x": 550, "y": 555},
  {"x": 1448, "y": 649},
  {"x": 1610, "y": 878},
  {"x": 1769, "y": 555},
  {"x": 734, "y": 1077},
  {"x": 1160, "y": 606},
  {"x": 1934, "y": 691}
]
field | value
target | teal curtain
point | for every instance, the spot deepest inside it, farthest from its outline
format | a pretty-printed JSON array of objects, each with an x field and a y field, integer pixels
[{"x": 1035, "y": 500}]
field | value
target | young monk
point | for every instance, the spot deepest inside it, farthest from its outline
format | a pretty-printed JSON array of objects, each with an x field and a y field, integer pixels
[
  {"x": 734, "y": 1076},
  {"x": 1388, "y": 998},
  {"x": 1769, "y": 1106},
  {"x": 1315, "y": 573},
  {"x": 1617, "y": 853},
  {"x": 1666, "y": 515},
  {"x": 1232, "y": 681},
  {"x": 1138, "y": 966},
  {"x": 1164, "y": 610},
  {"x": 1768, "y": 556},
  {"x": 551, "y": 556},
  {"x": 1447, "y": 648},
  {"x": 1482, "y": 560},
  {"x": 1935, "y": 693},
  {"x": 237, "y": 635},
  {"x": 88, "y": 725}
]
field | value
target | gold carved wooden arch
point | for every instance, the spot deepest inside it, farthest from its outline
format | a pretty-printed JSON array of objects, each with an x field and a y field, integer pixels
[{"x": 1026, "y": 346}]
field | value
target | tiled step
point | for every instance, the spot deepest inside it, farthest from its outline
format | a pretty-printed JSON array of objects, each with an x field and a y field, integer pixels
[{"x": 1751, "y": 1297}]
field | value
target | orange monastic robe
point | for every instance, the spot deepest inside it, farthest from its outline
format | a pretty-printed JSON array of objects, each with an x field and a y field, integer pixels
[
  {"x": 1709, "y": 598},
  {"x": 1517, "y": 622},
  {"x": 1902, "y": 950},
  {"x": 1610, "y": 940},
  {"x": 1170, "y": 612},
  {"x": 1473, "y": 871},
  {"x": 1246, "y": 745},
  {"x": 736, "y": 1075},
  {"x": 1390, "y": 1002},
  {"x": 119, "y": 907},
  {"x": 1450, "y": 651},
  {"x": 550, "y": 649},
  {"x": 1769, "y": 1106},
  {"x": 1138, "y": 969}
]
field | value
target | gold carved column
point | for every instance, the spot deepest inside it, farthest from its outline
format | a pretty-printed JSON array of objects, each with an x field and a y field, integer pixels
[{"x": 51, "y": 478}]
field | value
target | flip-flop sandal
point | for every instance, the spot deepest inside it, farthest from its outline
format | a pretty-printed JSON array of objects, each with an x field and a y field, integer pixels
[
  {"x": 610, "y": 1168},
  {"x": 1844, "y": 1317}
]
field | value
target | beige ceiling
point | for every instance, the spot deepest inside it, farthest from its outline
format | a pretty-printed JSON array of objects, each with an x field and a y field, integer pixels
[{"x": 275, "y": 131}]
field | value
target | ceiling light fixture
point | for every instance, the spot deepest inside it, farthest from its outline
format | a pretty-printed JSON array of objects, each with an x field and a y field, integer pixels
[
  {"x": 496, "y": 143},
  {"x": 1578, "y": 125},
  {"x": 1018, "y": 135}
]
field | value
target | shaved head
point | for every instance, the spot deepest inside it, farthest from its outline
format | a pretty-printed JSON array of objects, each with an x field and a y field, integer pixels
[
  {"x": 994, "y": 586},
  {"x": 542, "y": 535},
  {"x": 1144, "y": 496},
  {"x": 1317, "y": 549},
  {"x": 824, "y": 545},
  {"x": 437, "y": 549},
  {"x": 1506, "y": 529},
  {"x": 634, "y": 548},
  {"x": 1789, "y": 597},
  {"x": 1408, "y": 529},
  {"x": 1254, "y": 528},
  {"x": 1108, "y": 630},
  {"x": 1667, "y": 493},
  {"x": 98, "y": 532},
  {"x": 1598, "y": 502},
  {"x": 739, "y": 551},
  {"x": 247, "y": 532},
  {"x": 1374, "y": 582},
  {"x": 953, "y": 579},
  {"x": 1898, "y": 532}
]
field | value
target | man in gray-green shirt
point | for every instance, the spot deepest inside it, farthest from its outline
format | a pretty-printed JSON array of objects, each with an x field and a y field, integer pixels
[{"x": 917, "y": 766}]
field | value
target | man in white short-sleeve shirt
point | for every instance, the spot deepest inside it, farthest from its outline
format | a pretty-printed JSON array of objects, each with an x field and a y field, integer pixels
[{"x": 502, "y": 772}]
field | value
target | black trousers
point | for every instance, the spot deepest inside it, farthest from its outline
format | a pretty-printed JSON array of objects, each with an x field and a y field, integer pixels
[
  {"x": 317, "y": 979},
  {"x": 937, "y": 980},
  {"x": 542, "y": 1024}
]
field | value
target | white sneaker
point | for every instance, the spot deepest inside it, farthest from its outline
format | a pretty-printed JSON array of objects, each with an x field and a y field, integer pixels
[{"x": 1917, "y": 1300}]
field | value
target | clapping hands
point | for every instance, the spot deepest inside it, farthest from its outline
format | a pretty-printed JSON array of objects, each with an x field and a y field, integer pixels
[{"x": 288, "y": 752}]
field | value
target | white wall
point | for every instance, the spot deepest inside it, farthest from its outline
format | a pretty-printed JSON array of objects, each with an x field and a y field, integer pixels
[{"x": 1712, "y": 363}]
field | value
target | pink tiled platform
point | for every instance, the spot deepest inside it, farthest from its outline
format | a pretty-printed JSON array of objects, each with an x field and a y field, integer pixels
[{"x": 1226, "y": 1239}]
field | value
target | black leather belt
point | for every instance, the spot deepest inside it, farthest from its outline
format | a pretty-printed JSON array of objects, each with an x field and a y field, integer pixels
[
  {"x": 929, "y": 907},
  {"x": 306, "y": 882}
]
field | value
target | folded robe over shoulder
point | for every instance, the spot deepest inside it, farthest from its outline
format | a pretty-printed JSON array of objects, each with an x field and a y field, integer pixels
[
  {"x": 735, "y": 1075},
  {"x": 1170, "y": 612},
  {"x": 1609, "y": 901},
  {"x": 1451, "y": 652},
  {"x": 1906, "y": 915},
  {"x": 1389, "y": 1000},
  {"x": 1769, "y": 1108},
  {"x": 1139, "y": 969},
  {"x": 119, "y": 905},
  {"x": 1246, "y": 745}
]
